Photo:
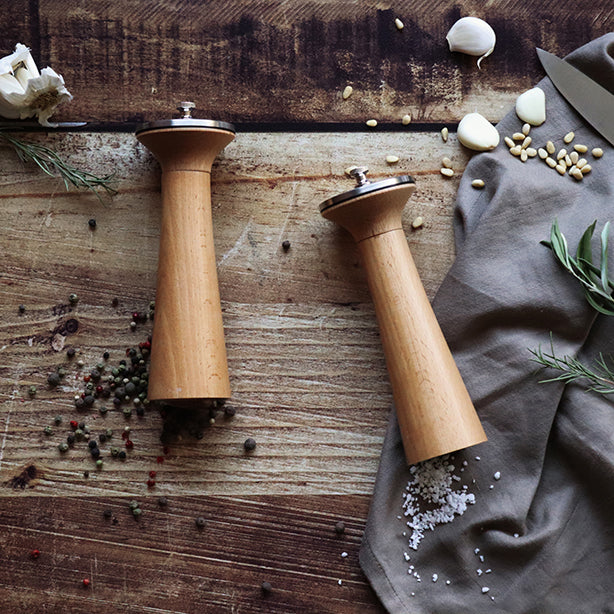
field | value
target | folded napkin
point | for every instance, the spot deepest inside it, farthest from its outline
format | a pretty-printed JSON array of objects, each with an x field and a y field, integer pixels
[{"x": 537, "y": 534}]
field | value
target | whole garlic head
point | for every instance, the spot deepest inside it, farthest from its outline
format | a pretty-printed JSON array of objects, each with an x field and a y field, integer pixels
[
  {"x": 472, "y": 36},
  {"x": 477, "y": 133},
  {"x": 25, "y": 92}
]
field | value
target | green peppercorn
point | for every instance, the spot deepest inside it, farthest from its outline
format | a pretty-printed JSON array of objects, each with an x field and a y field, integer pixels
[
  {"x": 32, "y": 391},
  {"x": 48, "y": 430},
  {"x": 58, "y": 420},
  {"x": 73, "y": 299},
  {"x": 79, "y": 434},
  {"x": 109, "y": 433},
  {"x": 114, "y": 452},
  {"x": 133, "y": 504},
  {"x": 136, "y": 512},
  {"x": 61, "y": 371},
  {"x": 63, "y": 447},
  {"x": 127, "y": 412},
  {"x": 99, "y": 463}
]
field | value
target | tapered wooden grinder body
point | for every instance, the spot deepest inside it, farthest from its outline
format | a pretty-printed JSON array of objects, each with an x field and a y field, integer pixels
[
  {"x": 188, "y": 354},
  {"x": 435, "y": 413}
]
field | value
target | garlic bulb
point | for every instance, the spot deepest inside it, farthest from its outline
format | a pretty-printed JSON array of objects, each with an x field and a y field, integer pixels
[
  {"x": 477, "y": 133},
  {"x": 472, "y": 36},
  {"x": 25, "y": 92},
  {"x": 531, "y": 106}
]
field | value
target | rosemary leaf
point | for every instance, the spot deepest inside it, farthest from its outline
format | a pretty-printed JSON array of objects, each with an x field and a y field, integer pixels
[
  {"x": 53, "y": 165},
  {"x": 599, "y": 378}
]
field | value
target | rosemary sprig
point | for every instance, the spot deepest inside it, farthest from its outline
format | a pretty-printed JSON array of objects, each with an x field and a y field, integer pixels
[
  {"x": 600, "y": 376},
  {"x": 52, "y": 164},
  {"x": 594, "y": 279}
]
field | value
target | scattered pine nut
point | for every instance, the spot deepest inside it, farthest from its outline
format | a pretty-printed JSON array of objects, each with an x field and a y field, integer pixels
[
  {"x": 515, "y": 151},
  {"x": 527, "y": 141},
  {"x": 542, "y": 153},
  {"x": 348, "y": 170},
  {"x": 587, "y": 168},
  {"x": 518, "y": 136},
  {"x": 568, "y": 160},
  {"x": 446, "y": 162},
  {"x": 478, "y": 184},
  {"x": 399, "y": 24},
  {"x": 574, "y": 156},
  {"x": 371, "y": 123},
  {"x": 581, "y": 148},
  {"x": 551, "y": 162},
  {"x": 576, "y": 173},
  {"x": 597, "y": 152},
  {"x": 568, "y": 138},
  {"x": 581, "y": 163},
  {"x": 562, "y": 153},
  {"x": 562, "y": 162},
  {"x": 531, "y": 152},
  {"x": 347, "y": 92},
  {"x": 447, "y": 172},
  {"x": 392, "y": 159},
  {"x": 526, "y": 129},
  {"x": 523, "y": 155},
  {"x": 406, "y": 119},
  {"x": 444, "y": 134},
  {"x": 561, "y": 168},
  {"x": 550, "y": 148},
  {"x": 509, "y": 142},
  {"x": 418, "y": 222}
]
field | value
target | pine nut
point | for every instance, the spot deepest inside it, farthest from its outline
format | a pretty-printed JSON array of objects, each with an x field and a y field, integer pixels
[
  {"x": 526, "y": 142},
  {"x": 574, "y": 156},
  {"x": 597, "y": 152},
  {"x": 515, "y": 151},
  {"x": 406, "y": 119},
  {"x": 577, "y": 174},
  {"x": 523, "y": 155},
  {"x": 581, "y": 163},
  {"x": 399, "y": 24},
  {"x": 446, "y": 162},
  {"x": 371, "y": 123},
  {"x": 531, "y": 152},
  {"x": 550, "y": 148},
  {"x": 551, "y": 162},
  {"x": 509, "y": 142},
  {"x": 347, "y": 92},
  {"x": 518, "y": 136},
  {"x": 478, "y": 184},
  {"x": 581, "y": 148},
  {"x": 568, "y": 161},
  {"x": 444, "y": 134},
  {"x": 542, "y": 153},
  {"x": 446, "y": 172},
  {"x": 568, "y": 138},
  {"x": 526, "y": 129},
  {"x": 587, "y": 168},
  {"x": 562, "y": 153},
  {"x": 418, "y": 222},
  {"x": 561, "y": 169},
  {"x": 392, "y": 159}
]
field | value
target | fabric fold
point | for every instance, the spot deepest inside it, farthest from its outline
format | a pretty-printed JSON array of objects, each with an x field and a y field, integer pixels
[{"x": 538, "y": 538}]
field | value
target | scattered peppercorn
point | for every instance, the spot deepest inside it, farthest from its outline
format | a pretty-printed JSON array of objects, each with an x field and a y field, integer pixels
[
  {"x": 70, "y": 352},
  {"x": 285, "y": 245},
  {"x": 229, "y": 411},
  {"x": 200, "y": 522},
  {"x": 122, "y": 455},
  {"x": 92, "y": 223},
  {"x": 106, "y": 356},
  {"x": 22, "y": 308},
  {"x": 48, "y": 430},
  {"x": 107, "y": 513},
  {"x": 249, "y": 444},
  {"x": 86, "y": 474},
  {"x": 70, "y": 439},
  {"x": 73, "y": 299},
  {"x": 63, "y": 447},
  {"x": 266, "y": 588},
  {"x": 32, "y": 391},
  {"x": 58, "y": 420},
  {"x": 340, "y": 528},
  {"x": 91, "y": 444},
  {"x": 35, "y": 554},
  {"x": 99, "y": 464},
  {"x": 86, "y": 582},
  {"x": 162, "y": 501},
  {"x": 53, "y": 379}
]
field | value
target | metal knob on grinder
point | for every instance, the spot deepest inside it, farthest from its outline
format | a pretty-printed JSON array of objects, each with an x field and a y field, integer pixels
[
  {"x": 434, "y": 410},
  {"x": 188, "y": 354}
]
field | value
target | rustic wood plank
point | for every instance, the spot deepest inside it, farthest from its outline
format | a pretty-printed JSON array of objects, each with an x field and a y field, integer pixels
[
  {"x": 271, "y": 61},
  {"x": 308, "y": 375},
  {"x": 164, "y": 563}
]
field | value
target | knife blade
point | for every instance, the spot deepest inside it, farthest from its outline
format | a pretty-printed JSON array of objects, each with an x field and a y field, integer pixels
[{"x": 588, "y": 98}]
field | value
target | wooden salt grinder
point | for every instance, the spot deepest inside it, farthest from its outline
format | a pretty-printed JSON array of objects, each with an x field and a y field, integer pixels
[
  {"x": 434, "y": 410},
  {"x": 188, "y": 355}
]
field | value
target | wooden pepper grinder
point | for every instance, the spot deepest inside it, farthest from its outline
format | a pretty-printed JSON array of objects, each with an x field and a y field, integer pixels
[
  {"x": 188, "y": 355},
  {"x": 434, "y": 410}
]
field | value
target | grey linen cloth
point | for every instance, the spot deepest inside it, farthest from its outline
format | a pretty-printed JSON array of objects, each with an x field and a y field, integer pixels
[{"x": 545, "y": 529}]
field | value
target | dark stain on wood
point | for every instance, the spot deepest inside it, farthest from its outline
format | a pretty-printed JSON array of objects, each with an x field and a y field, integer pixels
[{"x": 25, "y": 478}]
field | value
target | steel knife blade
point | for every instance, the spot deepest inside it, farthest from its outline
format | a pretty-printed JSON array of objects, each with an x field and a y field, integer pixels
[{"x": 588, "y": 98}]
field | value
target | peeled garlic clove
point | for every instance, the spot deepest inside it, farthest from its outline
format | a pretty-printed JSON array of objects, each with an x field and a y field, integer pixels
[
  {"x": 472, "y": 36},
  {"x": 531, "y": 106},
  {"x": 477, "y": 133}
]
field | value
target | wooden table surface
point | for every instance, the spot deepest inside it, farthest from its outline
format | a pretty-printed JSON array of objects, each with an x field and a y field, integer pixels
[{"x": 307, "y": 371}]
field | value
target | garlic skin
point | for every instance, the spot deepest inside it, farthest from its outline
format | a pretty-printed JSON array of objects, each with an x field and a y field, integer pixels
[
  {"x": 477, "y": 133},
  {"x": 25, "y": 92},
  {"x": 531, "y": 106},
  {"x": 472, "y": 36}
]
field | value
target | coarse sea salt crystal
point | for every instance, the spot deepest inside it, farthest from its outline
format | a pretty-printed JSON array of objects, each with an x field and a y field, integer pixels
[
  {"x": 435, "y": 577},
  {"x": 497, "y": 475}
]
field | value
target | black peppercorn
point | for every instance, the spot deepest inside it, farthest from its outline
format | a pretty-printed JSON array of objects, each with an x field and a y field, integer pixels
[
  {"x": 70, "y": 352},
  {"x": 102, "y": 438},
  {"x": 92, "y": 444},
  {"x": 229, "y": 411},
  {"x": 249, "y": 444},
  {"x": 22, "y": 308},
  {"x": 106, "y": 355},
  {"x": 53, "y": 379},
  {"x": 162, "y": 501},
  {"x": 70, "y": 439},
  {"x": 88, "y": 400},
  {"x": 200, "y": 522},
  {"x": 340, "y": 528},
  {"x": 92, "y": 223},
  {"x": 95, "y": 452},
  {"x": 285, "y": 245},
  {"x": 107, "y": 513},
  {"x": 266, "y": 587}
]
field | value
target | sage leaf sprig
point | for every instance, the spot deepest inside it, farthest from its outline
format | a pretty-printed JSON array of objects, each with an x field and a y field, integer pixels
[
  {"x": 597, "y": 286},
  {"x": 53, "y": 165},
  {"x": 600, "y": 377}
]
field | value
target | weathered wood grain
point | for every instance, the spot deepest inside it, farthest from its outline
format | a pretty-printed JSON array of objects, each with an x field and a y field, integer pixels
[
  {"x": 268, "y": 61},
  {"x": 163, "y": 563},
  {"x": 307, "y": 369}
]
